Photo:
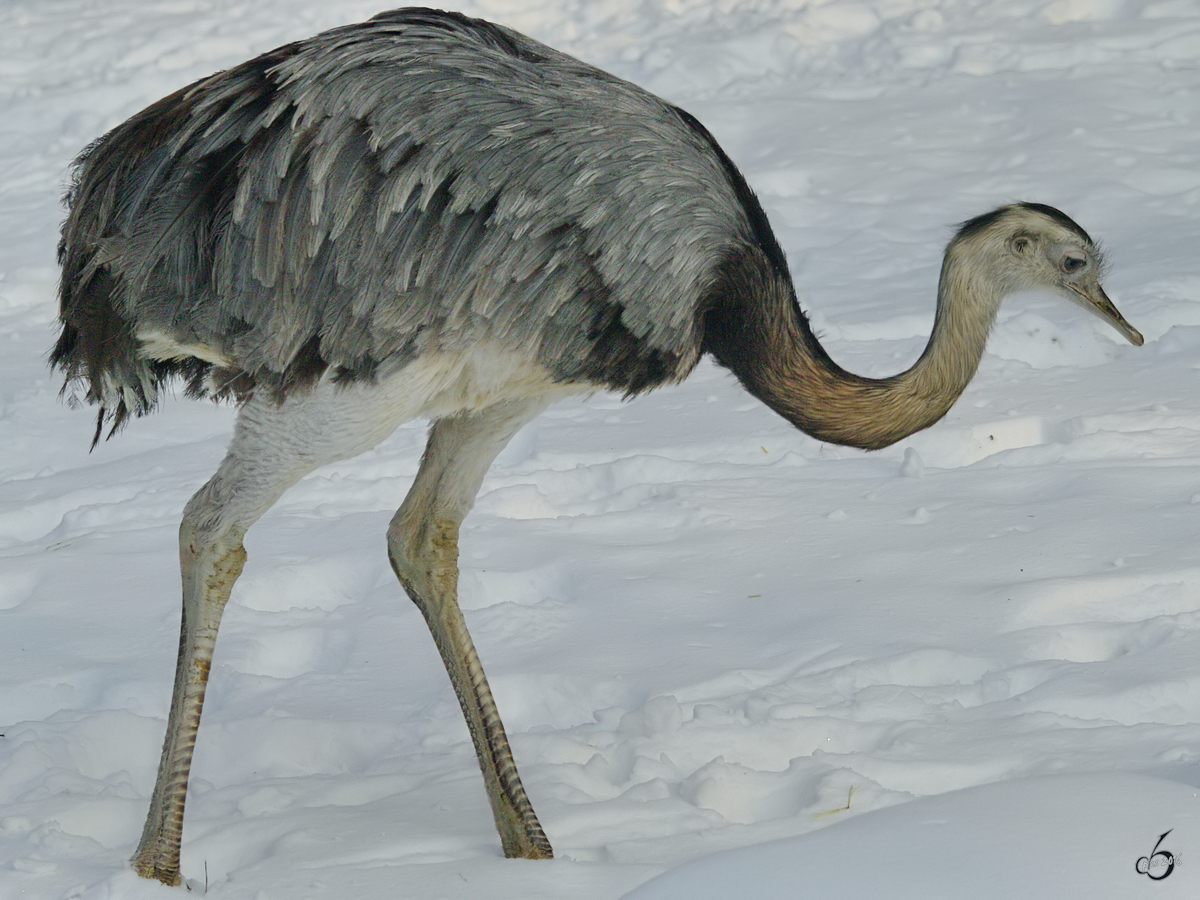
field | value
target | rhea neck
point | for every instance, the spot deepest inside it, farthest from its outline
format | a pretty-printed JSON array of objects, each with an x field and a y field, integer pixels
[{"x": 756, "y": 329}]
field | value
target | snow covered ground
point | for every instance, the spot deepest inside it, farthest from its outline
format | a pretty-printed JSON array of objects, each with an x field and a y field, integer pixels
[{"x": 704, "y": 629}]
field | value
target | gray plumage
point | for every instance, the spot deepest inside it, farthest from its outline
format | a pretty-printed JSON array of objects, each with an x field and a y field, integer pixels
[
  {"x": 423, "y": 183},
  {"x": 430, "y": 215}
]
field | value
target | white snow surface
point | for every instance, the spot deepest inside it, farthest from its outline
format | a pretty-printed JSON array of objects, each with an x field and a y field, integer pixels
[
  {"x": 1046, "y": 836},
  {"x": 705, "y": 630}
]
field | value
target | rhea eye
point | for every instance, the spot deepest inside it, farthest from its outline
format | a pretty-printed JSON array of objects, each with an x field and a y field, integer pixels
[{"x": 1072, "y": 264}]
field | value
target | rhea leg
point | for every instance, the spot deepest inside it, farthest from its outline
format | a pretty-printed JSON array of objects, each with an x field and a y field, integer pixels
[
  {"x": 210, "y": 559},
  {"x": 423, "y": 548},
  {"x": 274, "y": 445}
]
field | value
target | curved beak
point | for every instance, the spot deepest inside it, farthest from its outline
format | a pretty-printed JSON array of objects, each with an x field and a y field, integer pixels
[{"x": 1091, "y": 296}]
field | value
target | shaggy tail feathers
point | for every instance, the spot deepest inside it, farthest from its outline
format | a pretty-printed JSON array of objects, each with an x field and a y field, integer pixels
[{"x": 97, "y": 347}]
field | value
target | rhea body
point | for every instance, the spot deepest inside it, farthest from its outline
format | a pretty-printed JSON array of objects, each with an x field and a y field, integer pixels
[{"x": 427, "y": 215}]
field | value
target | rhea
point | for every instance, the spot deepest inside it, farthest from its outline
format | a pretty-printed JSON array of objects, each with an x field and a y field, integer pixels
[{"x": 427, "y": 215}]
